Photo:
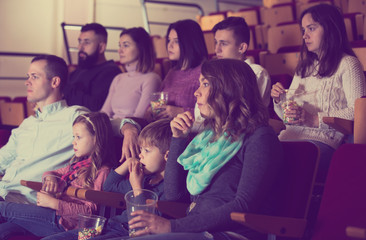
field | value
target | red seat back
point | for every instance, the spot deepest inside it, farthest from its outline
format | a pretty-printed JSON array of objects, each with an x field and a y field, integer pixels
[
  {"x": 4, "y": 136},
  {"x": 301, "y": 162},
  {"x": 344, "y": 197}
]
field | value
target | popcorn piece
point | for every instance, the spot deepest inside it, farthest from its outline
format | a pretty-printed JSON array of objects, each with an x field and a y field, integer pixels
[
  {"x": 286, "y": 107},
  {"x": 87, "y": 233}
]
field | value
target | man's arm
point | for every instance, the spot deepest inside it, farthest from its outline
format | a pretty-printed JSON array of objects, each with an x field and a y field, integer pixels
[{"x": 130, "y": 147}]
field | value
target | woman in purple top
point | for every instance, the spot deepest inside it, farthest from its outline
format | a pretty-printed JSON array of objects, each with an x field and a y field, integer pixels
[
  {"x": 130, "y": 92},
  {"x": 187, "y": 51}
]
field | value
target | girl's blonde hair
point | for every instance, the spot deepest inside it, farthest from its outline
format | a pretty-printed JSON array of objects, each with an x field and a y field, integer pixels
[{"x": 99, "y": 125}]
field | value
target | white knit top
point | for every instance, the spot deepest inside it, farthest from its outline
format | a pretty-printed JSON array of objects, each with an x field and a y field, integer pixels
[{"x": 329, "y": 96}]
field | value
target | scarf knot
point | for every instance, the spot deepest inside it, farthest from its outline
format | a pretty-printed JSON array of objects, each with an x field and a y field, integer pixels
[
  {"x": 203, "y": 159},
  {"x": 72, "y": 174}
]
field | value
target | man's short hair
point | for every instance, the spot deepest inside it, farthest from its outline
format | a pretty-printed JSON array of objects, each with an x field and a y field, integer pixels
[
  {"x": 239, "y": 27},
  {"x": 157, "y": 134},
  {"x": 55, "y": 67},
  {"x": 98, "y": 30}
]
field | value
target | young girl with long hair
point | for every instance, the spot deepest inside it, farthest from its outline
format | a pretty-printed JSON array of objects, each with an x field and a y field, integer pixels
[
  {"x": 330, "y": 78},
  {"x": 88, "y": 168}
]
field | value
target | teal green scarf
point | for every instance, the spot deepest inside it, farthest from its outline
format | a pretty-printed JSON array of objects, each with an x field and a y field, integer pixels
[{"x": 203, "y": 159}]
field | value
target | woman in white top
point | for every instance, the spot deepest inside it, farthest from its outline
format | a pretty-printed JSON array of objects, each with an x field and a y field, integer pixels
[{"x": 328, "y": 77}]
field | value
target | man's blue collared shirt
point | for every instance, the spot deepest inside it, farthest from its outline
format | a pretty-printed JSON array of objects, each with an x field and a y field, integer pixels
[{"x": 41, "y": 143}]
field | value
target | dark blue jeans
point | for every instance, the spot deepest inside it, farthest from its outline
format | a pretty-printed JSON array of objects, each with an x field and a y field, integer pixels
[
  {"x": 20, "y": 219},
  {"x": 69, "y": 235}
]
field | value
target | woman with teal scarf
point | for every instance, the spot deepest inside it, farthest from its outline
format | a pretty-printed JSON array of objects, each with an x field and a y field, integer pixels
[{"x": 233, "y": 165}]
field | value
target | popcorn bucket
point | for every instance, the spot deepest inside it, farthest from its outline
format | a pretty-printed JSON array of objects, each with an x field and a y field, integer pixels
[{"x": 90, "y": 226}]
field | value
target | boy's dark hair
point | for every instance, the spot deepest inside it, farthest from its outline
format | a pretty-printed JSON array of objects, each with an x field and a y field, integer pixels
[
  {"x": 157, "y": 134},
  {"x": 55, "y": 67},
  {"x": 238, "y": 25},
  {"x": 98, "y": 30}
]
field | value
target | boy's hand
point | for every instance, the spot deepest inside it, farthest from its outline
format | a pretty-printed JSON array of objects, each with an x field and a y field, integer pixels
[
  {"x": 136, "y": 174},
  {"x": 124, "y": 167},
  {"x": 181, "y": 125}
]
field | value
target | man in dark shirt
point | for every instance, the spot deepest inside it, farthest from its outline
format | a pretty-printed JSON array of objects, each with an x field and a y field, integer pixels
[{"x": 88, "y": 85}]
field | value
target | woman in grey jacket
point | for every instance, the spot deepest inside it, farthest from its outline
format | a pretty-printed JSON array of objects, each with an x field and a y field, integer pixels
[{"x": 233, "y": 165}]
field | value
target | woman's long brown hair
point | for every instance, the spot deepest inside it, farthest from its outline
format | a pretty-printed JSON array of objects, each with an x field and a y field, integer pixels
[{"x": 234, "y": 98}]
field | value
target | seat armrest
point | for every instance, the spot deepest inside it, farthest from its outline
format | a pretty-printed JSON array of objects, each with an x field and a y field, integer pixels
[
  {"x": 37, "y": 186},
  {"x": 279, "y": 226},
  {"x": 356, "y": 232},
  {"x": 111, "y": 199},
  {"x": 344, "y": 126}
]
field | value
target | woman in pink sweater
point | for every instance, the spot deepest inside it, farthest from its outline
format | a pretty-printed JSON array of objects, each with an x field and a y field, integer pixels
[{"x": 130, "y": 92}]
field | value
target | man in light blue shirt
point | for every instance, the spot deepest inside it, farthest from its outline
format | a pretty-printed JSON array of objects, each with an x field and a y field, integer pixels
[{"x": 42, "y": 142}]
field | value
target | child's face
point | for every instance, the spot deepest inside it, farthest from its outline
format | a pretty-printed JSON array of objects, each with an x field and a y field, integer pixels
[
  {"x": 153, "y": 160},
  {"x": 83, "y": 141}
]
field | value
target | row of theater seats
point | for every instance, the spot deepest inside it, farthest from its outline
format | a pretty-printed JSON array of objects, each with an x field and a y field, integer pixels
[
  {"x": 340, "y": 211},
  {"x": 277, "y": 26},
  {"x": 281, "y": 55},
  {"x": 281, "y": 67},
  {"x": 285, "y": 61},
  {"x": 341, "y": 208}
]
